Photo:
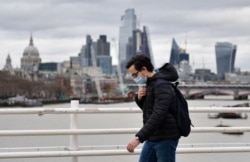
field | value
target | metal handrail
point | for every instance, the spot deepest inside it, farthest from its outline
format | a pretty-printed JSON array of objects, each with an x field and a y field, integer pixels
[
  {"x": 112, "y": 131},
  {"x": 42, "y": 111},
  {"x": 117, "y": 152},
  {"x": 74, "y": 150}
]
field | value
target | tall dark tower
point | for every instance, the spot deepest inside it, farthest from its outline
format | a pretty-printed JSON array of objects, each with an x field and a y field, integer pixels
[
  {"x": 88, "y": 55},
  {"x": 103, "y": 58},
  {"x": 102, "y": 46}
]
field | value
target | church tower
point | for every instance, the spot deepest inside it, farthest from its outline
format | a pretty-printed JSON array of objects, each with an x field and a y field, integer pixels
[
  {"x": 8, "y": 65},
  {"x": 30, "y": 59}
]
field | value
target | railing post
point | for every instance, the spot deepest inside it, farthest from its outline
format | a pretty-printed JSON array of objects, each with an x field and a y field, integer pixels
[{"x": 74, "y": 125}]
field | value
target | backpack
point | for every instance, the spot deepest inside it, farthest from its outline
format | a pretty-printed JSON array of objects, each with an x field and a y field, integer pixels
[{"x": 182, "y": 113}]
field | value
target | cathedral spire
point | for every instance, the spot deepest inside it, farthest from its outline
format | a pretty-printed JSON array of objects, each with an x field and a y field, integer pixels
[
  {"x": 31, "y": 40},
  {"x": 8, "y": 58}
]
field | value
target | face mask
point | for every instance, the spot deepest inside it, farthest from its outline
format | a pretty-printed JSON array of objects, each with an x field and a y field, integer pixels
[{"x": 140, "y": 80}]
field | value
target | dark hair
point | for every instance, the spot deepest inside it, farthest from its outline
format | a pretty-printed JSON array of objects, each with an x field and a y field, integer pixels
[{"x": 139, "y": 61}]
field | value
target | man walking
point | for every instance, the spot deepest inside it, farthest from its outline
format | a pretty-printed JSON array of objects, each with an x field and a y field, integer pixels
[{"x": 160, "y": 133}]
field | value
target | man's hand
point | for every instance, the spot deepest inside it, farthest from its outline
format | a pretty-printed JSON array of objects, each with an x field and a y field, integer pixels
[
  {"x": 141, "y": 92},
  {"x": 132, "y": 145}
]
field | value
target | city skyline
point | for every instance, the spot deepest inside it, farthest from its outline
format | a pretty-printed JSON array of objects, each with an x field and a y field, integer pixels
[{"x": 58, "y": 35}]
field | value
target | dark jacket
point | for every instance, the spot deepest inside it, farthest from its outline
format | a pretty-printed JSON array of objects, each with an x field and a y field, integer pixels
[{"x": 158, "y": 121}]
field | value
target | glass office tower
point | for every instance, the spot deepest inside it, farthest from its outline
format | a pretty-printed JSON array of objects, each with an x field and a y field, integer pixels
[
  {"x": 140, "y": 44},
  {"x": 225, "y": 58},
  {"x": 146, "y": 47},
  {"x": 85, "y": 53},
  {"x": 177, "y": 54},
  {"x": 174, "y": 54},
  {"x": 128, "y": 25},
  {"x": 103, "y": 58}
]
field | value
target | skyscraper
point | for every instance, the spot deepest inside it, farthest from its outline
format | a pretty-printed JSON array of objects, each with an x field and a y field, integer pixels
[
  {"x": 140, "y": 44},
  {"x": 103, "y": 58},
  {"x": 174, "y": 54},
  {"x": 177, "y": 54},
  {"x": 128, "y": 25},
  {"x": 102, "y": 46},
  {"x": 101, "y": 54},
  {"x": 85, "y": 53},
  {"x": 88, "y": 54},
  {"x": 225, "y": 58},
  {"x": 145, "y": 45}
]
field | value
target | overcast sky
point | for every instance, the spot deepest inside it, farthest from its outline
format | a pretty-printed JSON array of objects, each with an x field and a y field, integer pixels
[{"x": 59, "y": 27}]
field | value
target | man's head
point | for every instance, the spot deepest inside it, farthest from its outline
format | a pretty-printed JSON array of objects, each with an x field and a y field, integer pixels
[{"x": 140, "y": 65}]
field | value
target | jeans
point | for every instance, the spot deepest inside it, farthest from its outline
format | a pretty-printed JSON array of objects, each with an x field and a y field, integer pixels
[{"x": 162, "y": 151}]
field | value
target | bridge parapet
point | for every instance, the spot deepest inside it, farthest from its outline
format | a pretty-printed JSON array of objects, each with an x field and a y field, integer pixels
[
  {"x": 239, "y": 92},
  {"x": 198, "y": 91}
]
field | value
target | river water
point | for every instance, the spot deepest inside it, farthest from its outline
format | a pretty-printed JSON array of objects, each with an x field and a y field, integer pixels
[{"x": 88, "y": 121}]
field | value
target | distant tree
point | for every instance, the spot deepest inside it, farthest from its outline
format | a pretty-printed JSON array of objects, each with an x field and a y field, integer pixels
[{"x": 11, "y": 85}]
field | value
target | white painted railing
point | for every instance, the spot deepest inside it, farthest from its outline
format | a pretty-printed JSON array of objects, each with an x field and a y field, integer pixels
[
  {"x": 41, "y": 111},
  {"x": 74, "y": 150},
  {"x": 111, "y": 131}
]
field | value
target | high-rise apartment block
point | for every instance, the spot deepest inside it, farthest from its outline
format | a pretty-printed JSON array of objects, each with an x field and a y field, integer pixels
[{"x": 225, "y": 58}]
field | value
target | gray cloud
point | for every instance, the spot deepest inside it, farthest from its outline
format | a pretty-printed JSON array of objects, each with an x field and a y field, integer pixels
[{"x": 202, "y": 23}]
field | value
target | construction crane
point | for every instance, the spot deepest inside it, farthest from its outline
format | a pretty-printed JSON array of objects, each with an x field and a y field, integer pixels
[
  {"x": 96, "y": 80},
  {"x": 118, "y": 68}
]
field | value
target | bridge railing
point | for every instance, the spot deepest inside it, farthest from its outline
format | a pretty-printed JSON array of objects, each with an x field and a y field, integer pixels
[{"x": 74, "y": 150}]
